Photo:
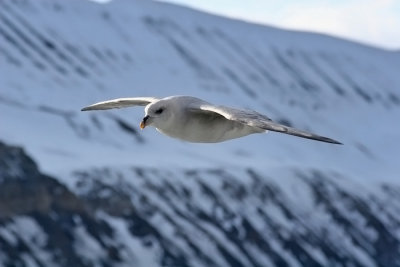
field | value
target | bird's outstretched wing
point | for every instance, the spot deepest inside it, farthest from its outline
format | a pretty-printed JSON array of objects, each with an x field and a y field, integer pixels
[
  {"x": 121, "y": 103},
  {"x": 255, "y": 119}
]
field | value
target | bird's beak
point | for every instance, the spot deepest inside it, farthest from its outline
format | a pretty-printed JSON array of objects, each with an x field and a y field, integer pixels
[{"x": 143, "y": 122}]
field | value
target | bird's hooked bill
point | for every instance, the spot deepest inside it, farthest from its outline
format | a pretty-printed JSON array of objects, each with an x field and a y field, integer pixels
[{"x": 143, "y": 122}]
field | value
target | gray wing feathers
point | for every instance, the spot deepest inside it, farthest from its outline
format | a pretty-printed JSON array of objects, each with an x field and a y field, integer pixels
[
  {"x": 261, "y": 121},
  {"x": 121, "y": 103},
  {"x": 245, "y": 116},
  {"x": 276, "y": 127}
]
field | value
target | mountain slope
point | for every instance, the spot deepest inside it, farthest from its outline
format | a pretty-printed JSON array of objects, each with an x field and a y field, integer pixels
[
  {"x": 263, "y": 200},
  {"x": 332, "y": 87},
  {"x": 206, "y": 217}
]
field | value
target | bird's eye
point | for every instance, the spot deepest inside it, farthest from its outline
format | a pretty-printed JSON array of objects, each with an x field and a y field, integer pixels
[{"x": 159, "y": 111}]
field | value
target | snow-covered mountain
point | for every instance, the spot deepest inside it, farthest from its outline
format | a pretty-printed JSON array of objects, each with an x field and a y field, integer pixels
[{"x": 117, "y": 196}]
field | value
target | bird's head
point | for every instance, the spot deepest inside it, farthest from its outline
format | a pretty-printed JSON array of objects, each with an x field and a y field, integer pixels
[{"x": 157, "y": 114}]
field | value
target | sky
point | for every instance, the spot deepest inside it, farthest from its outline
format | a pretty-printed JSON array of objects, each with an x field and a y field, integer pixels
[{"x": 374, "y": 22}]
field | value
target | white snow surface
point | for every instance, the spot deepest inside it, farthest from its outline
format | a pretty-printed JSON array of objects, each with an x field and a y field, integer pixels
[
  {"x": 59, "y": 56},
  {"x": 134, "y": 48}
]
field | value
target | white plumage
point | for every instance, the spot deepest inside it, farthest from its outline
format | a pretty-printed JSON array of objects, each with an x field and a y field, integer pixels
[{"x": 195, "y": 120}]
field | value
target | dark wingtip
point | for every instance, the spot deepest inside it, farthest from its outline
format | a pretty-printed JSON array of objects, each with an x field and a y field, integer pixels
[
  {"x": 332, "y": 141},
  {"x": 326, "y": 140},
  {"x": 85, "y": 109}
]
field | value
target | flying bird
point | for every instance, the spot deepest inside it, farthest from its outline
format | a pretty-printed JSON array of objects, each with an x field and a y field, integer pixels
[{"x": 195, "y": 120}]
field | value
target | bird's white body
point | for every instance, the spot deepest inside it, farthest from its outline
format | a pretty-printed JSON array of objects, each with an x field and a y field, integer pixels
[
  {"x": 195, "y": 120},
  {"x": 198, "y": 128},
  {"x": 207, "y": 132}
]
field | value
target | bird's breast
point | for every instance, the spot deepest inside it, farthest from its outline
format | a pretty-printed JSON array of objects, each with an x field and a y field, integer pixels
[{"x": 207, "y": 130}]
